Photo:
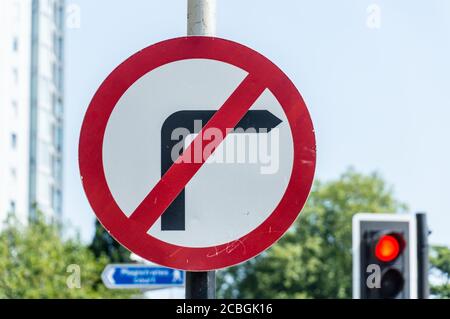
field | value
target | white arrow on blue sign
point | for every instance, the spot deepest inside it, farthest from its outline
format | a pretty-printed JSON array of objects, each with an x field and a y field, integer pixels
[{"x": 138, "y": 276}]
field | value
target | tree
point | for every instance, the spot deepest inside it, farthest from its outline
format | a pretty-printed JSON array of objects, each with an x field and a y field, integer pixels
[
  {"x": 440, "y": 263},
  {"x": 36, "y": 263},
  {"x": 104, "y": 244},
  {"x": 313, "y": 260}
]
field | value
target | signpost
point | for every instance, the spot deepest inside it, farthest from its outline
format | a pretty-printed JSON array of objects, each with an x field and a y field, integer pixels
[
  {"x": 236, "y": 206},
  {"x": 201, "y": 21},
  {"x": 197, "y": 153},
  {"x": 135, "y": 276}
]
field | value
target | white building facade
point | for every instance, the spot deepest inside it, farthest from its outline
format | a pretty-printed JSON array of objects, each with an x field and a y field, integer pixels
[{"x": 31, "y": 107}]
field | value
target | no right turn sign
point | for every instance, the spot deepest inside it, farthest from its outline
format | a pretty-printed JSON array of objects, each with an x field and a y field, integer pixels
[{"x": 197, "y": 153}]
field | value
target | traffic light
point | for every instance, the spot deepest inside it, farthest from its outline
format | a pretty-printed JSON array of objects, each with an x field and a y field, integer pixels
[{"x": 384, "y": 256}]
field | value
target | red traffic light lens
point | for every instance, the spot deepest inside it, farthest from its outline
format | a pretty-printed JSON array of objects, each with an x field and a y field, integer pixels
[{"x": 387, "y": 249}]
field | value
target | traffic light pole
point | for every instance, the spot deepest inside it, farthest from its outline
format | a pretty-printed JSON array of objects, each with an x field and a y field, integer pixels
[
  {"x": 201, "y": 21},
  {"x": 422, "y": 256}
]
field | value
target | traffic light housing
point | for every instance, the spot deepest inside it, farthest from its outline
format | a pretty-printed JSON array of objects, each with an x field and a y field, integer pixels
[{"x": 384, "y": 256}]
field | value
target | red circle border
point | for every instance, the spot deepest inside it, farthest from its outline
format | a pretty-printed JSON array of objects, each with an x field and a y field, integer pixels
[{"x": 131, "y": 234}]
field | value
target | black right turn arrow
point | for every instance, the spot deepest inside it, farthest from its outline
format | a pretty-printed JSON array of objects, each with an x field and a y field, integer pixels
[{"x": 173, "y": 218}]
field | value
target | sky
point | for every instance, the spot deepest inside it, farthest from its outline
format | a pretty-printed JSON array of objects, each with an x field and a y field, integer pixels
[{"x": 376, "y": 80}]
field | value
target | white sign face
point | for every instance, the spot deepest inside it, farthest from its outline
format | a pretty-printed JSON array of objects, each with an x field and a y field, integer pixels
[
  {"x": 197, "y": 153},
  {"x": 235, "y": 190}
]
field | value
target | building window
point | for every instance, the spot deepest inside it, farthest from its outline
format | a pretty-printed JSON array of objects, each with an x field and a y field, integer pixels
[
  {"x": 56, "y": 75},
  {"x": 57, "y": 106},
  {"x": 56, "y": 167},
  {"x": 13, "y": 172},
  {"x": 57, "y": 45},
  {"x": 60, "y": 45},
  {"x": 55, "y": 12},
  {"x": 56, "y": 199},
  {"x": 14, "y": 141},
  {"x": 12, "y": 207},
  {"x": 15, "y": 75},
  {"x": 15, "y": 44},
  {"x": 57, "y": 137},
  {"x": 15, "y": 108},
  {"x": 61, "y": 17},
  {"x": 44, "y": 156},
  {"x": 16, "y": 11}
]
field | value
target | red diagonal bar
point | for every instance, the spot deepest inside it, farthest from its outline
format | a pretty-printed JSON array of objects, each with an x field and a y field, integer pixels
[{"x": 182, "y": 171}]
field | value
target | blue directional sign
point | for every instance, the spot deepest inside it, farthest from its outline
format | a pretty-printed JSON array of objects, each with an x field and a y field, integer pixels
[{"x": 138, "y": 276}]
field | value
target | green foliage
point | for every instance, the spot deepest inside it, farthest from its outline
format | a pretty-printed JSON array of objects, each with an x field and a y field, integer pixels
[
  {"x": 35, "y": 263},
  {"x": 440, "y": 262},
  {"x": 104, "y": 244},
  {"x": 313, "y": 260}
]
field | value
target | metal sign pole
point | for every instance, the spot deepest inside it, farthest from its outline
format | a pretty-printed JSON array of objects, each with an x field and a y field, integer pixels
[
  {"x": 422, "y": 256},
  {"x": 201, "y": 285},
  {"x": 201, "y": 17},
  {"x": 201, "y": 21}
]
